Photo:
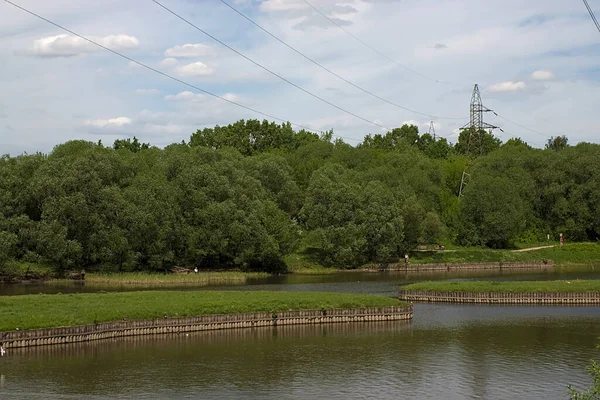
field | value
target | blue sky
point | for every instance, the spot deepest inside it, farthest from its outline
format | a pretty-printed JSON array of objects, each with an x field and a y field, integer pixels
[{"x": 536, "y": 63}]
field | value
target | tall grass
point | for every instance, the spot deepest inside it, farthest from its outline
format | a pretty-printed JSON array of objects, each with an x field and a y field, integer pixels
[
  {"x": 46, "y": 311},
  {"x": 509, "y": 287},
  {"x": 201, "y": 278}
]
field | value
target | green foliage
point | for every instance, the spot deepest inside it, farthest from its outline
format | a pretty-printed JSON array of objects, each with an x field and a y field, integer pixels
[
  {"x": 241, "y": 196},
  {"x": 133, "y": 146},
  {"x": 593, "y": 393},
  {"x": 558, "y": 143},
  {"x": 47, "y": 311},
  {"x": 475, "y": 143}
]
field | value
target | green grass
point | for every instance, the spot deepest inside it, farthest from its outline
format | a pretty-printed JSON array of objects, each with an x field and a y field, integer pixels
[
  {"x": 19, "y": 271},
  {"x": 569, "y": 254},
  {"x": 305, "y": 262},
  {"x": 46, "y": 311},
  {"x": 201, "y": 278},
  {"x": 511, "y": 287}
]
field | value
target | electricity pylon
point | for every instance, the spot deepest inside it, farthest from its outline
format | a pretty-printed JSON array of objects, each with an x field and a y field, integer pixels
[
  {"x": 432, "y": 130},
  {"x": 475, "y": 126}
]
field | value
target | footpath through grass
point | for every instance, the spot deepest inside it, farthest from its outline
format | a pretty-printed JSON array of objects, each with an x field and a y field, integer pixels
[
  {"x": 576, "y": 253},
  {"x": 509, "y": 287},
  {"x": 47, "y": 311}
]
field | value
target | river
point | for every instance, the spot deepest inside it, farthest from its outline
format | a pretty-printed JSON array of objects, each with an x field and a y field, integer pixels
[{"x": 446, "y": 352}]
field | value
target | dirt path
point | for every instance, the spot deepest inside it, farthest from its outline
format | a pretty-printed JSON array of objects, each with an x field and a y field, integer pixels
[{"x": 532, "y": 249}]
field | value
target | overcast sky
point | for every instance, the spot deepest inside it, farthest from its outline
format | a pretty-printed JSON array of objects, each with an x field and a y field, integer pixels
[{"x": 536, "y": 62}]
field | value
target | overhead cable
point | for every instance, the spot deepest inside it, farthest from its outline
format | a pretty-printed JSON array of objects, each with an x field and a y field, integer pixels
[
  {"x": 592, "y": 14},
  {"x": 330, "y": 71},
  {"x": 267, "y": 69},
  {"x": 374, "y": 49},
  {"x": 164, "y": 73}
]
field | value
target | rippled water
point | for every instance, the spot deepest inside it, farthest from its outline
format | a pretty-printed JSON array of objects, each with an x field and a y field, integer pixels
[{"x": 446, "y": 352}]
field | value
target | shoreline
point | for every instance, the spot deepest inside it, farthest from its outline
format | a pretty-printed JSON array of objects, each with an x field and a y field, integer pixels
[
  {"x": 111, "y": 330},
  {"x": 539, "y": 298},
  {"x": 504, "y": 292},
  {"x": 225, "y": 277}
]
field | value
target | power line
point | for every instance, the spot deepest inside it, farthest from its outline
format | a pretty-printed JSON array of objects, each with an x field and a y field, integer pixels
[
  {"x": 327, "y": 69},
  {"x": 163, "y": 73},
  {"x": 519, "y": 125},
  {"x": 267, "y": 69},
  {"x": 373, "y": 48},
  {"x": 592, "y": 14}
]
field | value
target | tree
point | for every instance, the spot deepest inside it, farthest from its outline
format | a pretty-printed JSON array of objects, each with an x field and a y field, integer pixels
[
  {"x": 557, "y": 143},
  {"x": 133, "y": 146},
  {"x": 475, "y": 143},
  {"x": 593, "y": 393},
  {"x": 8, "y": 243},
  {"x": 492, "y": 212}
]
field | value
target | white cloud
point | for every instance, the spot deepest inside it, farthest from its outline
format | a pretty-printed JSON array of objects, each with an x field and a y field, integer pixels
[
  {"x": 183, "y": 96},
  {"x": 69, "y": 45},
  {"x": 194, "y": 69},
  {"x": 147, "y": 92},
  {"x": 190, "y": 50},
  {"x": 411, "y": 122},
  {"x": 436, "y": 126},
  {"x": 282, "y": 5},
  {"x": 108, "y": 123},
  {"x": 542, "y": 75},
  {"x": 508, "y": 86},
  {"x": 231, "y": 97},
  {"x": 168, "y": 62}
]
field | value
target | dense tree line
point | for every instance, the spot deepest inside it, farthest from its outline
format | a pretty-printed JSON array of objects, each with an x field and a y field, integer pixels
[{"x": 247, "y": 194}]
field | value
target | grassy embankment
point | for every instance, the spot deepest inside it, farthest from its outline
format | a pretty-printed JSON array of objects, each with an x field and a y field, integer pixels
[
  {"x": 304, "y": 262},
  {"x": 508, "y": 287},
  {"x": 47, "y": 311},
  {"x": 569, "y": 254}
]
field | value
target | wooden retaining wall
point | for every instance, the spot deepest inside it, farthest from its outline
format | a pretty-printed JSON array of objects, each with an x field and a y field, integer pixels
[
  {"x": 500, "y": 297},
  {"x": 86, "y": 333},
  {"x": 458, "y": 266}
]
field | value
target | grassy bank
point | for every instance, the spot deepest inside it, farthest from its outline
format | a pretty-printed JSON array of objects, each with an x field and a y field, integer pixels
[
  {"x": 201, "y": 278},
  {"x": 23, "y": 271},
  {"x": 508, "y": 287},
  {"x": 576, "y": 253},
  {"x": 46, "y": 311}
]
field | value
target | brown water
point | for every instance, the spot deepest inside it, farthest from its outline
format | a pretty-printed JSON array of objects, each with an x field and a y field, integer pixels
[{"x": 446, "y": 352}]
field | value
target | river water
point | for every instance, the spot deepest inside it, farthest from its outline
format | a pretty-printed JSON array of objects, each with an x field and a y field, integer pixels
[{"x": 446, "y": 352}]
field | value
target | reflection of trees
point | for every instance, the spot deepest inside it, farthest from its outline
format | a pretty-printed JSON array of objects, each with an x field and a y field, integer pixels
[{"x": 403, "y": 355}]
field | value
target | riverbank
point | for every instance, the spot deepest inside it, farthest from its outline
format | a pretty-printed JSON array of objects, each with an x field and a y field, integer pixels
[
  {"x": 304, "y": 263},
  {"x": 569, "y": 254},
  {"x": 36, "y": 320},
  {"x": 200, "y": 278},
  {"x": 573, "y": 286},
  {"x": 49, "y": 311},
  {"x": 522, "y": 292}
]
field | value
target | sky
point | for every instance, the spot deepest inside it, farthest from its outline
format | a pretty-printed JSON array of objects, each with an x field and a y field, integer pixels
[{"x": 537, "y": 64}]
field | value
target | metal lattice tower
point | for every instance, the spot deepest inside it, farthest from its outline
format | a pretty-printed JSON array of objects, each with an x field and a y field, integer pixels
[
  {"x": 476, "y": 126},
  {"x": 432, "y": 130}
]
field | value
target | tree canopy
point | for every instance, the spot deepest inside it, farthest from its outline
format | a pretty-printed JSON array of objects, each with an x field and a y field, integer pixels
[{"x": 248, "y": 194}]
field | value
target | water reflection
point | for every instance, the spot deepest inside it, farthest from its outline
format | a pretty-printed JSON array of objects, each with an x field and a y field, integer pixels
[
  {"x": 385, "y": 283},
  {"x": 449, "y": 352}
]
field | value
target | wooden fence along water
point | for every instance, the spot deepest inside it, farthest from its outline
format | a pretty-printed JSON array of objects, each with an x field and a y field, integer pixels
[
  {"x": 86, "y": 333},
  {"x": 459, "y": 266},
  {"x": 500, "y": 297}
]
